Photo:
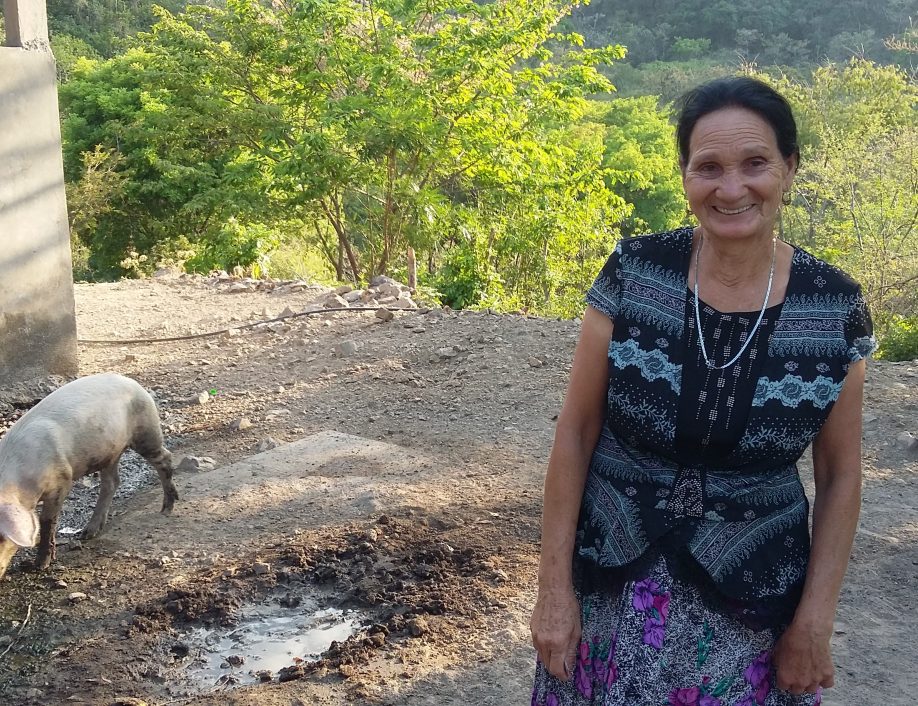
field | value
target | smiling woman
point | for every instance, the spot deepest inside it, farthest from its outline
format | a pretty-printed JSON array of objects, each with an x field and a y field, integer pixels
[
  {"x": 735, "y": 175},
  {"x": 677, "y": 566}
]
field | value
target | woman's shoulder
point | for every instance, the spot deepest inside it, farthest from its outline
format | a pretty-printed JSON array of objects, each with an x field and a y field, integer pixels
[
  {"x": 672, "y": 243},
  {"x": 822, "y": 277}
]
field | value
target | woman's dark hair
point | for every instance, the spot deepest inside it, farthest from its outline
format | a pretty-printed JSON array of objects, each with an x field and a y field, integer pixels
[{"x": 737, "y": 92}]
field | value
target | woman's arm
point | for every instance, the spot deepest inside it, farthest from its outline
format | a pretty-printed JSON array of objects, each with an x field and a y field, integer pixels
[
  {"x": 802, "y": 655},
  {"x": 555, "y": 621}
]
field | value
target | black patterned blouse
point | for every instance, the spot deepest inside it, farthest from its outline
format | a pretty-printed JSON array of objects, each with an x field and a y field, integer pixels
[{"x": 702, "y": 462}]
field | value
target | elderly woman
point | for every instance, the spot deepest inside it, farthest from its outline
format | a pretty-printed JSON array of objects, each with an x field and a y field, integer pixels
[{"x": 677, "y": 566}]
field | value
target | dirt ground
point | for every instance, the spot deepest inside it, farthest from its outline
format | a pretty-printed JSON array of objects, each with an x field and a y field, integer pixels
[{"x": 431, "y": 533}]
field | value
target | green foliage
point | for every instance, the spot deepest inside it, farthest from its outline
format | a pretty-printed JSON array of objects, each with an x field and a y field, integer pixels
[
  {"x": 234, "y": 245},
  {"x": 102, "y": 24},
  {"x": 641, "y": 164},
  {"x": 451, "y": 128},
  {"x": 67, "y": 51},
  {"x": 900, "y": 341},
  {"x": 465, "y": 280},
  {"x": 179, "y": 177},
  {"x": 783, "y": 32},
  {"x": 856, "y": 192},
  {"x": 684, "y": 48},
  {"x": 669, "y": 79}
]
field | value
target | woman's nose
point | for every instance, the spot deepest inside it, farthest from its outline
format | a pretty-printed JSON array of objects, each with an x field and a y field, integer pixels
[{"x": 731, "y": 185}]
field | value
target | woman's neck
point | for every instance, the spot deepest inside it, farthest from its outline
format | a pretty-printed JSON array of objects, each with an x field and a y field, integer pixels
[{"x": 734, "y": 263}]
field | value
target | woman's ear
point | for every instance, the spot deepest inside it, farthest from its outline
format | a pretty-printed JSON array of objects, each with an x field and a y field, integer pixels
[{"x": 791, "y": 164}]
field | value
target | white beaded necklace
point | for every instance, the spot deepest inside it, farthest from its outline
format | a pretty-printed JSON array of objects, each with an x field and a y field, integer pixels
[{"x": 771, "y": 275}]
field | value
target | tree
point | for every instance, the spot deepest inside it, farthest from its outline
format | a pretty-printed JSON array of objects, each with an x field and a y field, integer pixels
[
  {"x": 856, "y": 201},
  {"x": 642, "y": 164},
  {"x": 387, "y": 125}
]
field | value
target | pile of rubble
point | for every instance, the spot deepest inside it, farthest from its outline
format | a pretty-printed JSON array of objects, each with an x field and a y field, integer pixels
[{"x": 382, "y": 292}]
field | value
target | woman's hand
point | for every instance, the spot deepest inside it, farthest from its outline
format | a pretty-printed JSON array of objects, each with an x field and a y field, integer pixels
[
  {"x": 556, "y": 630},
  {"x": 803, "y": 660}
]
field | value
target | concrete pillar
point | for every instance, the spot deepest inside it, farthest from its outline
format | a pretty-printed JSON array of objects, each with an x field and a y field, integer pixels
[
  {"x": 37, "y": 322},
  {"x": 26, "y": 23}
]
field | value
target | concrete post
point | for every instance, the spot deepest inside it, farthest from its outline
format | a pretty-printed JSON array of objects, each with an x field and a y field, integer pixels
[
  {"x": 26, "y": 23},
  {"x": 37, "y": 322}
]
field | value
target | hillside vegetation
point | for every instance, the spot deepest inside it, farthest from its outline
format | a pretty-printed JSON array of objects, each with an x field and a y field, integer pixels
[{"x": 494, "y": 151}]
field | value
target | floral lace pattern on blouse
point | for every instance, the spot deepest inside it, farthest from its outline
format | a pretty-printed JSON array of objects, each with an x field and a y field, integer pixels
[{"x": 740, "y": 513}]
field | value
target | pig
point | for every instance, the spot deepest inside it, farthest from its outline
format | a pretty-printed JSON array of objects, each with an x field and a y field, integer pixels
[{"x": 82, "y": 427}]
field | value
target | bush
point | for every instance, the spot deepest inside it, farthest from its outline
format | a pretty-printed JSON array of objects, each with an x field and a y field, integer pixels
[{"x": 900, "y": 341}]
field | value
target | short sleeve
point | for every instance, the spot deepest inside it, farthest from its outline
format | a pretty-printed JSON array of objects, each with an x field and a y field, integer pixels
[
  {"x": 859, "y": 330},
  {"x": 606, "y": 292}
]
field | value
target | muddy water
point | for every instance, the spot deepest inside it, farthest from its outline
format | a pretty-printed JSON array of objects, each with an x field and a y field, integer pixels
[{"x": 267, "y": 637}]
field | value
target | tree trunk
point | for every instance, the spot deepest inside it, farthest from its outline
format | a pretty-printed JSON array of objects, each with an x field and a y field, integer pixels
[
  {"x": 334, "y": 217},
  {"x": 412, "y": 269}
]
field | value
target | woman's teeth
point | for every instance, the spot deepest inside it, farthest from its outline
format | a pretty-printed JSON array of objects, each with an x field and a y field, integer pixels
[{"x": 732, "y": 211}]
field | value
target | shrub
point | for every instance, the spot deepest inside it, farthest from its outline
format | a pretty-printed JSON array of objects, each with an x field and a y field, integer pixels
[{"x": 900, "y": 341}]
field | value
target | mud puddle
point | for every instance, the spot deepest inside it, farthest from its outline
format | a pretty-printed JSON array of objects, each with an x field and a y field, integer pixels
[{"x": 267, "y": 638}]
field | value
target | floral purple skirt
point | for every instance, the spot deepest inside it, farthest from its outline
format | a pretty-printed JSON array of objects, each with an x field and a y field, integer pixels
[{"x": 658, "y": 644}]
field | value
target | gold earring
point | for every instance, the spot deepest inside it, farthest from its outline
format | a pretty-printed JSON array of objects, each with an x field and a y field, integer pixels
[{"x": 786, "y": 198}]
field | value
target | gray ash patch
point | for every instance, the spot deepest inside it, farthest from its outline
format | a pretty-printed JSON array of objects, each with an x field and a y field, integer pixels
[{"x": 136, "y": 475}]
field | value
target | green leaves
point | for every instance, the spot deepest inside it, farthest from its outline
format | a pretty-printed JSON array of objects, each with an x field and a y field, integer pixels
[
  {"x": 856, "y": 192},
  {"x": 451, "y": 127}
]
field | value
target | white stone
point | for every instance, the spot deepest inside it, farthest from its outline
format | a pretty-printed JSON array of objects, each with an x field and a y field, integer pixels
[
  {"x": 195, "y": 464},
  {"x": 335, "y": 302},
  {"x": 346, "y": 348},
  {"x": 241, "y": 424}
]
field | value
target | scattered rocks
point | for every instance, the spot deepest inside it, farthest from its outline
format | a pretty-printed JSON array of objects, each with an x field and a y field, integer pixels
[
  {"x": 196, "y": 464},
  {"x": 260, "y": 568},
  {"x": 417, "y": 627},
  {"x": 235, "y": 660},
  {"x": 77, "y": 597},
  {"x": 199, "y": 398},
  {"x": 266, "y": 444},
  {"x": 346, "y": 348},
  {"x": 384, "y": 315},
  {"x": 291, "y": 673},
  {"x": 241, "y": 424},
  {"x": 908, "y": 442},
  {"x": 335, "y": 302}
]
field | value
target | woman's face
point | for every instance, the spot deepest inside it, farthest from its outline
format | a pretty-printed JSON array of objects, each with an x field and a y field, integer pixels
[{"x": 735, "y": 174}]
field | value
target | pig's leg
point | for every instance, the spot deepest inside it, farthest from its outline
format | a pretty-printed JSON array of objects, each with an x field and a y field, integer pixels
[
  {"x": 109, "y": 484},
  {"x": 7, "y": 550},
  {"x": 161, "y": 460},
  {"x": 51, "y": 504}
]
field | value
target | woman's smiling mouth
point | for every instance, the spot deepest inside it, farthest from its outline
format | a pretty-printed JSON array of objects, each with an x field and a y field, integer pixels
[{"x": 732, "y": 211}]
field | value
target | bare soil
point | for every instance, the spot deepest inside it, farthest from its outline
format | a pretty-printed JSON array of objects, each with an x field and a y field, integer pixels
[{"x": 440, "y": 556}]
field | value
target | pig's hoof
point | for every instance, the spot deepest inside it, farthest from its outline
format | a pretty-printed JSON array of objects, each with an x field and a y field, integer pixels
[
  {"x": 166, "y": 511},
  {"x": 42, "y": 563},
  {"x": 89, "y": 533}
]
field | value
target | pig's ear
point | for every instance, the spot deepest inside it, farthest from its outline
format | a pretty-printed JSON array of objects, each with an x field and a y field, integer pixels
[{"x": 18, "y": 525}]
